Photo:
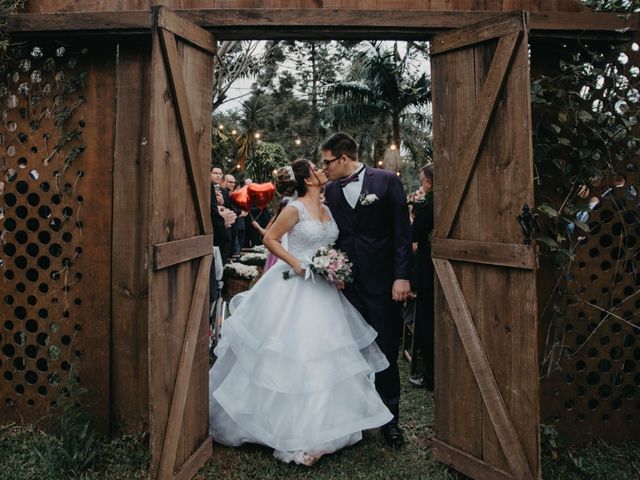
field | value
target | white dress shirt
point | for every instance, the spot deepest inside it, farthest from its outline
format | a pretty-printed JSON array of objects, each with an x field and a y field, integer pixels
[{"x": 352, "y": 190}]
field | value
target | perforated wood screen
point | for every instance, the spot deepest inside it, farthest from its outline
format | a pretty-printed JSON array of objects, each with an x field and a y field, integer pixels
[
  {"x": 55, "y": 245},
  {"x": 595, "y": 392}
]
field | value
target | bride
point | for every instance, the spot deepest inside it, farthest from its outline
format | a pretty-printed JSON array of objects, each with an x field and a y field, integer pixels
[{"x": 295, "y": 362}]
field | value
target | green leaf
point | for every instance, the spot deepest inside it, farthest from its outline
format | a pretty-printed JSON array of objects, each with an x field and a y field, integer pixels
[{"x": 548, "y": 210}]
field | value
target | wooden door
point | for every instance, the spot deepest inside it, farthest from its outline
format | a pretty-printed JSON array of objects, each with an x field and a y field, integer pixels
[
  {"x": 487, "y": 412},
  {"x": 181, "y": 247}
]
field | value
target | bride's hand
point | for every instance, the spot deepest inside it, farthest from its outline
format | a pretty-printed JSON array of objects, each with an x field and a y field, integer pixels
[
  {"x": 298, "y": 269},
  {"x": 340, "y": 285}
]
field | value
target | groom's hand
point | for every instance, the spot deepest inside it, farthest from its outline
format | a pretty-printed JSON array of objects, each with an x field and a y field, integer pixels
[{"x": 400, "y": 290}]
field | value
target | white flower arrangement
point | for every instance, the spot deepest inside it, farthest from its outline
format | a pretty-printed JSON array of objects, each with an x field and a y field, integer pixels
[
  {"x": 258, "y": 259},
  {"x": 236, "y": 269},
  {"x": 368, "y": 199},
  {"x": 258, "y": 249}
]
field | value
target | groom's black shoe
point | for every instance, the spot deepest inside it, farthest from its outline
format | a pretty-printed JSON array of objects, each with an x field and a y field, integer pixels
[{"x": 392, "y": 435}]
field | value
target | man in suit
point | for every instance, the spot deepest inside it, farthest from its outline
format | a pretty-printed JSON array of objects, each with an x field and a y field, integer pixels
[{"x": 370, "y": 207}]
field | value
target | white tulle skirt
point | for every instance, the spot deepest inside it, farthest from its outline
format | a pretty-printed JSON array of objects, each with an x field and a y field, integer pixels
[{"x": 294, "y": 370}]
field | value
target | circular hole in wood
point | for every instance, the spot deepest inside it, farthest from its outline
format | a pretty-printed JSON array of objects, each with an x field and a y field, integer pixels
[
  {"x": 19, "y": 364},
  {"x": 42, "y": 364},
  {"x": 616, "y": 353},
  {"x": 616, "y": 327},
  {"x": 67, "y": 237},
  {"x": 45, "y": 187},
  {"x": 605, "y": 265},
  {"x": 33, "y": 224},
  {"x": 20, "y": 262},
  {"x": 593, "y": 404},
  {"x": 630, "y": 241},
  {"x": 605, "y": 391},
  {"x": 31, "y": 326},
  {"x": 43, "y": 313},
  {"x": 42, "y": 339},
  {"x": 20, "y": 287},
  {"x": 594, "y": 252},
  {"x": 580, "y": 365},
  {"x": 32, "y": 275},
  {"x": 628, "y": 341},
  {"x": 22, "y": 187},
  {"x": 19, "y": 389},
  {"x": 630, "y": 217},
  {"x": 44, "y": 212},
  {"x": 569, "y": 404},
  {"x": 34, "y": 174},
  {"x": 628, "y": 391},
  {"x": 8, "y": 376},
  {"x": 592, "y": 352},
  {"x": 10, "y": 199},
  {"x": 9, "y": 274},
  {"x": 33, "y": 199},
  {"x": 628, "y": 366},
  {"x": 43, "y": 288},
  {"x": 44, "y": 263},
  {"x": 32, "y": 300},
  {"x": 9, "y": 224},
  {"x": 31, "y": 377},
  {"x": 9, "y": 249},
  {"x": 42, "y": 390},
  {"x": 44, "y": 237},
  {"x": 33, "y": 250},
  {"x": 617, "y": 253},
  {"x": 8, "y": 350},
  {"x": 66, "y": 366},
  {"x": 55, "y": 199},
  {"x": 20, "y": 312},
  {"x": 8, "y": 300},
  {"x": 604, "y": 365},
  {"x": 55, "y": 249},
  {"x": 21, "y": 237},
  {"x": 22, "y": 211},
  {"x": 55, "y": 224},
  {"x": 606, "y": 240},
  {"x": 31, "y": 351}
]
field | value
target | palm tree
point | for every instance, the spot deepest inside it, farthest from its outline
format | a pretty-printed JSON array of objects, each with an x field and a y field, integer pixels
[
  {"x": 383, "y": 91},
  {"x": 252, "y": 112}
]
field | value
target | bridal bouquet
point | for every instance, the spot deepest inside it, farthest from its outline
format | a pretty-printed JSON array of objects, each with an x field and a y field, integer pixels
[{"x": 329, "y": 263}]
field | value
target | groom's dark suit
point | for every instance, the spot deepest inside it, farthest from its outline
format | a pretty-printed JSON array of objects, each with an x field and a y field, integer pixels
[{"x": 377, "y": 238}]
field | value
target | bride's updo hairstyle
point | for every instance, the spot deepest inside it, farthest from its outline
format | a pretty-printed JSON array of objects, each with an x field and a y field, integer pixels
[{"x": 290, "y": 179}]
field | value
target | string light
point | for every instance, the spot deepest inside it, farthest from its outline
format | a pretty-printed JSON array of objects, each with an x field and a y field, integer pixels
[
  {"x": 392, "y": 146},
  {"x": 221, "y": 127},
  {"x": 256, "y": 135},
  {"x": 297, "y": 141},
  {"x": 380, "y": 162},
  {"x": 234, "y": 131}
]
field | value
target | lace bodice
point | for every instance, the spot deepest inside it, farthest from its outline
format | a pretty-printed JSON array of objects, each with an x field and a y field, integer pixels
[{"x": 309, "y": 234}]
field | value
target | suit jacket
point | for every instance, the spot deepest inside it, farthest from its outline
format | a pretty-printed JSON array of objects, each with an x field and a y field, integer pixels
[
  {"x": 421, "y": 229},
  {"x": 375, "y": 236}
]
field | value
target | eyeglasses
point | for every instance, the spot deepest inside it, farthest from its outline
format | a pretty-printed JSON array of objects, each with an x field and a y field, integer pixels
[{"x": 329, "y": 161}]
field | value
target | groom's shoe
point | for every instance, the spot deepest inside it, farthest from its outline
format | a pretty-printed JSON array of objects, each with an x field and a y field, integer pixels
[{"x": 392, "y": 435}]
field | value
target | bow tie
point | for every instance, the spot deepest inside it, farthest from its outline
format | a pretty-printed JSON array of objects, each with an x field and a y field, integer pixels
[{"x": 351, "y": 178}]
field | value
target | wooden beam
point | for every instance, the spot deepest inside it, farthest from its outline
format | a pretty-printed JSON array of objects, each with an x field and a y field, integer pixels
[
  {"x": 185, "y": 124},
  {"x": 196, "y": 461},
  {"x": 482, "y": 372},
  {"x": 186, "y": 30},
  {"x": 178, "y": 251},
  {"x": 183, "y": 375},
  {"x": 465, "y": 463},
  {"x": 467, "y": 154},
  {"x": 490, "y": 253},
  {"x": 259, "y": 23},
  {"x": 478, "y": 32}
]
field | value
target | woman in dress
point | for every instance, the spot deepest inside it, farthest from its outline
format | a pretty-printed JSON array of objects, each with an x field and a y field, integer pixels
[{"x": 295, "y": 362}]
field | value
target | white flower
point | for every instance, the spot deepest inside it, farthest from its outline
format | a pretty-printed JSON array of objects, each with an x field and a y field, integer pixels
[
  {"x": 240, "y": 270},
  {"x": 368, "y": 199},
  {"x": 321, "y": 262}
]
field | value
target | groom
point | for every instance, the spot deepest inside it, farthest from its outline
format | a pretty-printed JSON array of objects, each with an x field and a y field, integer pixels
[{"x": 370, "y": 207}]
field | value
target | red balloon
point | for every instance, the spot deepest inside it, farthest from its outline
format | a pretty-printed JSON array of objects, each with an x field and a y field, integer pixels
[{"x": 257, "y": 195}]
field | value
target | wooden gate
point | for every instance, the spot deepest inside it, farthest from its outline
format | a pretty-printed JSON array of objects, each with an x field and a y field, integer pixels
[
  {"x": 181, "y": 244},
  {"x": 487, "y": 412}
]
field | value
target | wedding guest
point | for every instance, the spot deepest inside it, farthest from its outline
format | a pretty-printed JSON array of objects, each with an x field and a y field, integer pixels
[{"x": 422, "y": 279}]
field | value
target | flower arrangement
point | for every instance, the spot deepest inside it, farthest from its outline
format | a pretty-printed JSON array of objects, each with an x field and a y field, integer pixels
[
  {"x": 235, "y": 269},
  {"x": 367, "y": 198},
  {"x": 257, "y": 259},
  {"x": 329, "y": 263}
]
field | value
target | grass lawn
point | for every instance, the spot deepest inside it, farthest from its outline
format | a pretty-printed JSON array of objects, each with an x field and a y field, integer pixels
[{"x": 26, "y": 454}]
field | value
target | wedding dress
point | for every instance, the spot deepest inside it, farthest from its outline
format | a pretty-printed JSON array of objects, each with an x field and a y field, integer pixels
[{"x": 295, "y": 362}]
